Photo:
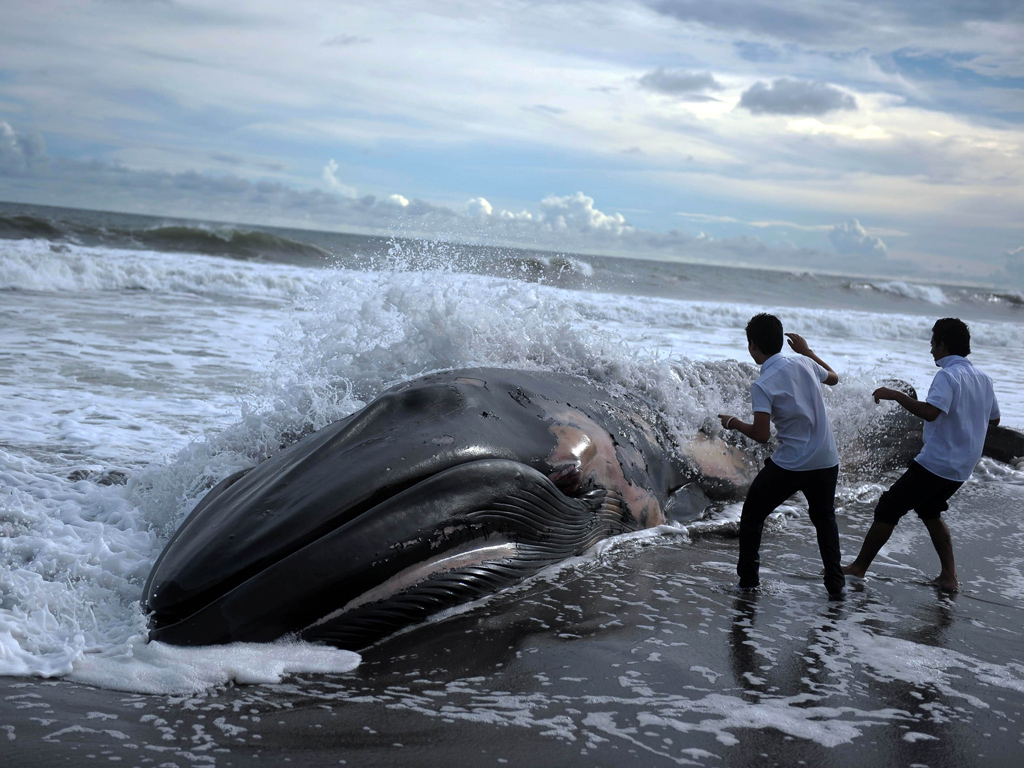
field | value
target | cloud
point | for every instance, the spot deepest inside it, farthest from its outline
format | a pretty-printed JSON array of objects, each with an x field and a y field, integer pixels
[
  {"x": 760, "y": 52},
  {"x": 679, "y": 82},
  {"x": 858, "y": 23},
  {"x": 19, "y": 153},
  {"x": 565, "y": 218},
  {"x": 330, "y": 176},
  {"x": 763, "y": 17},
  {"x": 235, "y": 160},
  {"x": 577, "y": 213},
  {"x": 760, "y": 223},
  {"x": 544, "y": 109},
  {"x": 851, "y": 239},
  {"x": 479, "y": 208},
  {"x": 343, "y": 41},
  {"x": 708, "y": 218},
  {"x": 795, "y": 97}
]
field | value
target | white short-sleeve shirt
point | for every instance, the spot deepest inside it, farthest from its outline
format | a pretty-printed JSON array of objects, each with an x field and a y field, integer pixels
[
  {"x": 967, "y": 401},
  {"x": 789, "y": 390}
]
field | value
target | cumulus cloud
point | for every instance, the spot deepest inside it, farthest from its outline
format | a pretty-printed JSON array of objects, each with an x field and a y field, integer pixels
[
  {"x": 680, "y": 83},
  {"x": 19, "y": 152},
  {"x": 566, "y": 215},
  {"x": 478, "y": 207},
  {"x": 575, "y": 223},
  {"x": 795, "y": 97},
  {"x": 330, "y": 175},
  {"x": 577, "y": 213},
  {"x": 851, "y": 239}
]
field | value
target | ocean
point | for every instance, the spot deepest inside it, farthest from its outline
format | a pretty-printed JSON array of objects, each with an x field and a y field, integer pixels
[{"x": 144, "y": 359}]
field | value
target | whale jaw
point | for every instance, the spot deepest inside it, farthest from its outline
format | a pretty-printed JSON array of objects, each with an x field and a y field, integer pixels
[{"x": 458, "y": 535}]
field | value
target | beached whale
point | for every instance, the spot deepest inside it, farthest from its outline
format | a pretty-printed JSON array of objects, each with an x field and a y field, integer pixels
[{"x": 440, "y": 491}]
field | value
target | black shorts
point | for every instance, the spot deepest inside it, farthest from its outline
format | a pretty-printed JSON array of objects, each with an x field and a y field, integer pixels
[{"x": 920, "y": 490}]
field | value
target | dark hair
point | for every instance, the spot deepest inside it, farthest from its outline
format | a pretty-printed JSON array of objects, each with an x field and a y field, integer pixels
[
  {"x": 954, "y": 333},
  {"x": 765, "y": 331}
]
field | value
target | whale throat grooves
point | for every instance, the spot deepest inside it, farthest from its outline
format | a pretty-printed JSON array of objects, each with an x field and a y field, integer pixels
[{"x": 499, "y": 542}]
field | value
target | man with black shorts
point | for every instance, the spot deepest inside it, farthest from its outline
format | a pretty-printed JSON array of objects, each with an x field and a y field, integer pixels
[
  {"x": 788, "y": 393},
  {"x": 957, "y": 412}
]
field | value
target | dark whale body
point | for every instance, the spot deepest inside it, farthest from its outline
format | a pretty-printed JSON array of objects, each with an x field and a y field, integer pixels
[{"x": 440, "y": 491}]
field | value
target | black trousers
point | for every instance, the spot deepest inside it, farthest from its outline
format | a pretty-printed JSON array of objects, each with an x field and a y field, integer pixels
[
  {"x": 772, "y": 486},
  {"x": 918, "y": 489}
]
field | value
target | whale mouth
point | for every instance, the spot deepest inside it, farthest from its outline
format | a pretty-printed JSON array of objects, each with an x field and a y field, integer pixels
[
  {"x": 454, "y": 536},
  {"x": 474, "y": 554}
]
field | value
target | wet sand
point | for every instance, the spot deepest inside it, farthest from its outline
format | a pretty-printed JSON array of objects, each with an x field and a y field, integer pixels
[{"x": 639, "y": 657}]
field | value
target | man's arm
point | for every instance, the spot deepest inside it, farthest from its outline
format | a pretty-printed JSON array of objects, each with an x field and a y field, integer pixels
[
  {"x": 919, "y": 408},
  {"x": 760, "y": 430},
  {"x": 797, "y": 343}
]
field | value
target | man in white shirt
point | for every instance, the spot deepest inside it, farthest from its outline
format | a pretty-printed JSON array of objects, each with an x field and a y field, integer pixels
[
  {"x": 788, "y": 393},
  {"x": 960, "y": 406}
]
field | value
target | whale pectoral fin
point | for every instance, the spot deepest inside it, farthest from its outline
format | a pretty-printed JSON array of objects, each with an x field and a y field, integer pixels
[
  {"x": 687, "y": 503},
  {"x": 524, "y": 523}
]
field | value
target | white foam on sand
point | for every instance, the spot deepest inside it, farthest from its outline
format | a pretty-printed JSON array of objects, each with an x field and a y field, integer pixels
[
  {"x": 849, "y": 653},
  {"x": 153, "y": 667},
  {"x": 921, "y": 665}
]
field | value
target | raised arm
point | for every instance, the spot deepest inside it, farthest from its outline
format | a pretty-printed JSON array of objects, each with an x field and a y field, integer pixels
[{"x": 800, "y": 346}]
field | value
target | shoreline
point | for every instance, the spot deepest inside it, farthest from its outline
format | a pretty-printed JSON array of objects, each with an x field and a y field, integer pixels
[{"x": 639, "y": 656}]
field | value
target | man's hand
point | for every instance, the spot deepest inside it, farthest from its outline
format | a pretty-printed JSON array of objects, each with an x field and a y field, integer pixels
[
  {"x": 801, "y": 347},
  {"x": 884, "y": 393},
  {"x": 798, "y": 344},
  {"x": 760, "y": 430},
  {"x": 920, "y": 408}
]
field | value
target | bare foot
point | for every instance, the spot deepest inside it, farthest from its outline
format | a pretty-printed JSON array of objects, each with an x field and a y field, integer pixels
[
  {"x": 854, "y": 570},
  {"x": 946, "y": 585}
]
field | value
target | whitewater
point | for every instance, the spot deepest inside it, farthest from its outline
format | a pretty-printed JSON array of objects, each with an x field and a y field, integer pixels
[{"x": 141, "y": 365}]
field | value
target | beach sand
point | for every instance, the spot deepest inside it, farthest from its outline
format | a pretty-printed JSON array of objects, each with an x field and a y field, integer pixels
[{"x": 640, "y": 656}]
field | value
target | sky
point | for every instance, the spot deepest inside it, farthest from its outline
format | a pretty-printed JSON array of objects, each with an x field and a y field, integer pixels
[{"x": 881, "y": 137}]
